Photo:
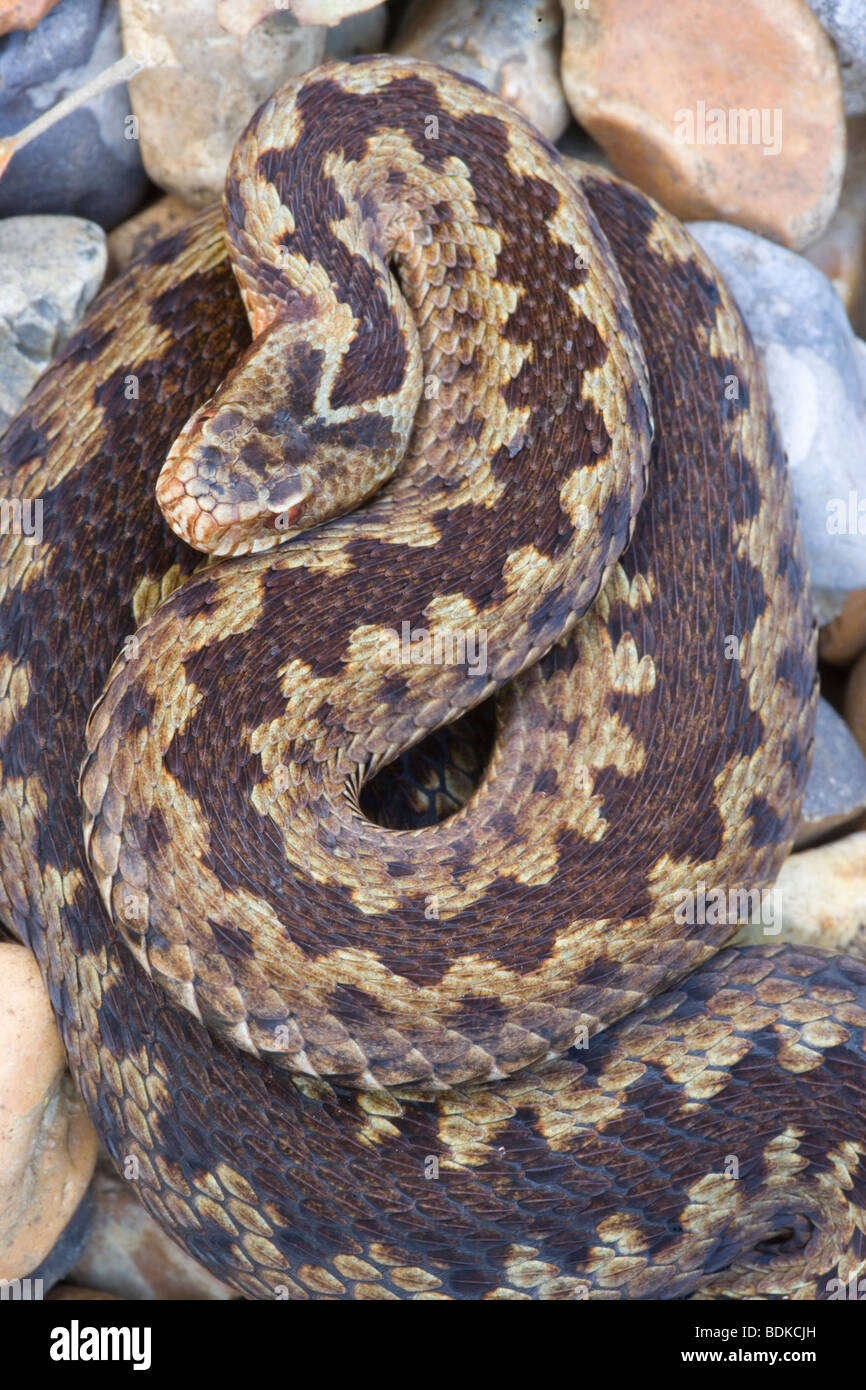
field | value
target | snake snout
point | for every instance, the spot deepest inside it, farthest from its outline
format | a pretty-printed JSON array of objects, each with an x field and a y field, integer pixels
[{"x": 230, "y": 487}]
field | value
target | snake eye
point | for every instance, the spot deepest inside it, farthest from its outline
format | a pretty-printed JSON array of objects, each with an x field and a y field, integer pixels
[{"x": 284, "y": 520}]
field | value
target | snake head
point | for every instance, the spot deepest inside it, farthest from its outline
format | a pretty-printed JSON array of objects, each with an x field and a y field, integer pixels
[
  {"x": 229, "y": 488},
  {"x": 240, "y": 473},
  {"x": 268, "y": 456}
]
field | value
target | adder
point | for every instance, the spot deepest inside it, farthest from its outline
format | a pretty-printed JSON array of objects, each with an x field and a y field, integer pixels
[{"x": 477, "y": 390}]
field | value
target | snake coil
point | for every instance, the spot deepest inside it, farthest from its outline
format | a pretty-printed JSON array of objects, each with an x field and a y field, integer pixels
[{"x": 491, "y": 1057}]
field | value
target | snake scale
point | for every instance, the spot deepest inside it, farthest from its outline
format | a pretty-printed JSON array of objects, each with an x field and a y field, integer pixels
[{"x": 482, "y": 1058}]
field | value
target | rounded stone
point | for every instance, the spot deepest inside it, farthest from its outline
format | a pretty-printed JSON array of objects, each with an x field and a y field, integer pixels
[
  {"x": 712, "y": 126},
  {"x": 47, "y": 1144}
]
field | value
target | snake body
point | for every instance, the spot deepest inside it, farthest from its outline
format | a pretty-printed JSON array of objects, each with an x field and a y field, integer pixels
[{"x": 484, "y": 1058}]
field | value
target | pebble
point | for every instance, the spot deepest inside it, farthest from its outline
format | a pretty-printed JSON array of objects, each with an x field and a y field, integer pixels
[
  {"x": 47, "y": 1144},
  {"x": 22, "y": 14},
  {"x": 325, "y": 11},
  {"x": 131, "y": 1256},
  {"x": 843, "y": 638},
  {"x": 855, "y": 701},
  {"x": 511, "y": 47},
  {"x": 836, "y": 786},
  {"x": 135, "y": 236},
  {"x": 815, "y": 371},
  {"x": 845, "y": 22},
  {"x": 86, "y": 165},
  {"x": 193, "y": 107},
  {"x": 841, "y": 250},
  {"x": 50, "y": 269},
  {"x": 240, "y": 16},
  {"x": 659, "y": 85},
  {"x": 822, "y": 899}
]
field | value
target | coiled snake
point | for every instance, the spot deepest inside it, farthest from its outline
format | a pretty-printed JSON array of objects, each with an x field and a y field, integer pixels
[{"x": 341, "y": 1060}]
